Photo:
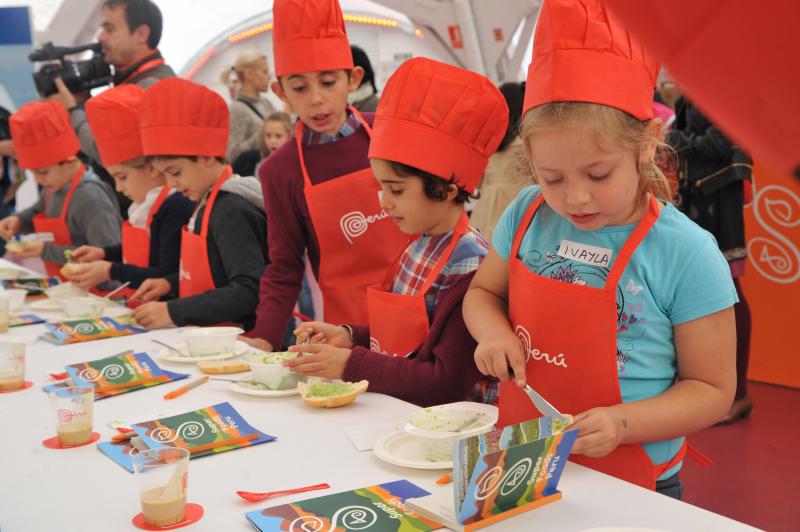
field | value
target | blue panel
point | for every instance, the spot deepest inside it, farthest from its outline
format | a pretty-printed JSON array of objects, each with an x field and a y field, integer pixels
[{"x": 16, "y": 25}]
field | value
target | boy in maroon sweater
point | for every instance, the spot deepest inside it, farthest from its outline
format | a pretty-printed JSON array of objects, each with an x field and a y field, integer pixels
[
  {"x": 320, "y": 196},
  {"x": 435, "y": 128}
]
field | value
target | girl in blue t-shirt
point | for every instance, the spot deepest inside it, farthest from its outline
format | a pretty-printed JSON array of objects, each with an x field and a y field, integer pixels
[{"x": 597, "y": 292}]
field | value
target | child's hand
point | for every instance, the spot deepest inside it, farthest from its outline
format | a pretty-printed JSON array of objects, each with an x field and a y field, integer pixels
[
  {"x": 31, "y": 250},
  {"x": 153, "y": 315},
  {"x": 9, "y": 226},
  {"x": 151, "y": 290},
  {"x": 601, "y": 431},
  {"x": 494, "y": 356},
  {"x": 91, "y": 274},
  {"x": 319, "y": 360},
  {"x": 88, "y": 254},
  {"x": 318, "y": 332},
  {"x": 258, "y": 343}
]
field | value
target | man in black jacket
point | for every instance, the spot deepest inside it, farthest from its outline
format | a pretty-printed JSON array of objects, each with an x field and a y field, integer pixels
[{"x": 129, "y": 32}]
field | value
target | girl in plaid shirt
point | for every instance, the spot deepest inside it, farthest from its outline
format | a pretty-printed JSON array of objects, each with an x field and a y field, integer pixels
[{"x": 428, "y": 152}]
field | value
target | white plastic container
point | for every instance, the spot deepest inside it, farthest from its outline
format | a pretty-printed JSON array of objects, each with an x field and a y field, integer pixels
[
  {"x": 268, "y": 369},
  {"x": 60, "y": 292},
  {"x": 436, "y": 428},
  {"x": 16, "y": 298},
  {"x": 83, "y": 307},
  {"x": 209, "y": 341}
]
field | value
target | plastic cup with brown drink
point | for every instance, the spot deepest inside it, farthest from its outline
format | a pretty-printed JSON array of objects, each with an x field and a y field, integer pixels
[
  {"x": 5, "y": 303},
  {"x": 73, "y": 408},
  {"x": 163, "y": 479},
  {"x": 12, "y": 366}
]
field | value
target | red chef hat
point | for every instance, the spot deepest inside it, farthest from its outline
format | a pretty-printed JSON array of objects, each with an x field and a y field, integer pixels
[
  {"x": 582, "y": 53},
  {"x": 439, "y": 118},
  {"x": 114, "y": 119},
  {"x": 179, "y": 117},
  {"x": 309, "y": 36},
  {"x": 42, "y": 135}
]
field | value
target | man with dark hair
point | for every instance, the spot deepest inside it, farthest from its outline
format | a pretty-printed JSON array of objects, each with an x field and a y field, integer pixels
[{"x": 130, "y": 31}]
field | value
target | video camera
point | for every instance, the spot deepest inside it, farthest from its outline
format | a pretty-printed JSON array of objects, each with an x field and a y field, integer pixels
[{"x": 77, "y": 75}]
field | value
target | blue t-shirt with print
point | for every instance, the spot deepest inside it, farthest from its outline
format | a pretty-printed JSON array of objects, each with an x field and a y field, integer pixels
[{"x": 677, "y": 274}]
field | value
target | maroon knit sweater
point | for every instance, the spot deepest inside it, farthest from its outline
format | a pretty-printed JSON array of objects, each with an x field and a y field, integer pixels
[
  {"x": 442, "y": 370},
  {"x": 289, "y": 228}
]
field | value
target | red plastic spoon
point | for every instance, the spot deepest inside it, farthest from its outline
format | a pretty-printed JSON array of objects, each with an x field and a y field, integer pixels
[{"x": 255, "y": 497}]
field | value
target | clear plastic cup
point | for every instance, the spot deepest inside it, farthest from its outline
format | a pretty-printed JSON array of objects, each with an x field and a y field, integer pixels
[
  {"x": 12, "y": 365},
  {"x": 4, "y": 310},
  {"x": 163, "y": 475},
  {"x": 72, "y": 408}
]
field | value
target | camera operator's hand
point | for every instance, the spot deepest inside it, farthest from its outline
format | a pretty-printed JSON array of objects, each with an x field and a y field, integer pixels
[
  {"x": 63, "y": 95},
  {"x": 6, "y": 148}
]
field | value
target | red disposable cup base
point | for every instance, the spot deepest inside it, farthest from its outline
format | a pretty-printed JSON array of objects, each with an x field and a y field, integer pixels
[
  {"x": 193, "y": 514},
  {"x": 55, "y": 443},
  {"x": 25, "y": 386}
]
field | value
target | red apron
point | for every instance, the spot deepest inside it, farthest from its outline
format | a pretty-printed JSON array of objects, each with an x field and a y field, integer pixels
[
  {"x": 569, "y": 334},
  {"x": 357, "y": 239},
  {"x": 58, "y": 226},
  {"x": 195, "y": 271},
  {"x": 398, "y": 323},
  {"x": 136, "y": 240}
]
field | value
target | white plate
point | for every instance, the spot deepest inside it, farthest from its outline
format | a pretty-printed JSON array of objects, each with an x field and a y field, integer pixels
[
  {"x": 234, "y": 387},
  {"x": 46, "y": 305},
  {"x": 111, "y": 311},
  {"x": 164, "y": 354},
  {"x": 400, "y": 448}
]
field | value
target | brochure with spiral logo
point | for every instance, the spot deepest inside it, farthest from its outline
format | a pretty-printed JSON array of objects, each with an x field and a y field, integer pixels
[
  {"x": 375, "y": 508},
  {"x": 115, "y": 371},
  {"x": 87, "y": 329},
  {"x": 19, "y": 320},
  {"x": 500, "y": 474},
  {"x": 202, "y": 432}
]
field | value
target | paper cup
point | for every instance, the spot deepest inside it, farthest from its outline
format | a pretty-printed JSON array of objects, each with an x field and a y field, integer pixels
[
  {"x": 163, "y": 476},
  {"x": 72, "y": 409},
  {"x": 209, "y": 341},
  {"x": 268, "y": 369},
  {"x": 16, "y": 298}
]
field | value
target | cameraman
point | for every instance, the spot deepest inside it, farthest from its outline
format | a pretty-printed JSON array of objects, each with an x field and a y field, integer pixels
[{"x": 130, "y": 32}]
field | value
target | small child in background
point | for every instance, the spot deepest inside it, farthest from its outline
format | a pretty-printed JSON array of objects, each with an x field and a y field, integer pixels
[
  {"x": 598, "y": 292},
  {"x": 428, "y": 153},
  {"x": 151, "y": 237},
  {"x": 223, "y": 247},
  {"x": 74, "y": 206},
  {"x": 277, "y": 130}
]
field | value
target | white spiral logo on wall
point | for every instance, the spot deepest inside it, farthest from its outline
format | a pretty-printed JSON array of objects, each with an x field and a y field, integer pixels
[
  {"x": 110, "y": 372},
  {"x": 190, "y": 430},
  {"x": 353, "y": 224},
  {"x": 352, "y": 518},
  {"x": 778, "y": 258}
]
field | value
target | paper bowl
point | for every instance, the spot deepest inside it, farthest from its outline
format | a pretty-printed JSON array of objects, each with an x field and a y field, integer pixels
[
  {"x": 60, "y": 292},
  {"x": 268, "y": 370},
  {"x": 16, "y": 298},
  {"x": 436, "y": 428},
  {"x": 209, "y": 341},
  {"x": 83, "y": 307}
]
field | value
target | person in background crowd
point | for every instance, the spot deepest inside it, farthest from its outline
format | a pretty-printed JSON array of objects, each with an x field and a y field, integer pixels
[
  {"x": 278, "y": 128},
  {"x": 714, "y": 175},
  {"x": 508, "y": 171},
  {"x": 249, "y": 109},
  {"x": 130, "y": 31},
  {"x": 365, "y": 98}
]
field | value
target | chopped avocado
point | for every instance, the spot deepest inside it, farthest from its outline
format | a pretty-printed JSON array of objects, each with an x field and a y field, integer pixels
[
  {"x": 272, "y": 358},
  {"x": 68, "y": 255},
  {"x": 329, "y": 389}
]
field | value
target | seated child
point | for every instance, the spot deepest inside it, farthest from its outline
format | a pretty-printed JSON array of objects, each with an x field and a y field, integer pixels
[
  {"x": 74, "y": 206},
  {"x": 151, "y": 237},
  {"x": 428, "y": 153},
  {"x": 223, "y": 248}
]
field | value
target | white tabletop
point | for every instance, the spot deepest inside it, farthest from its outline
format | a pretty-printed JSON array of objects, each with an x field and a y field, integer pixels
[{"x": 82, "y": 490}]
